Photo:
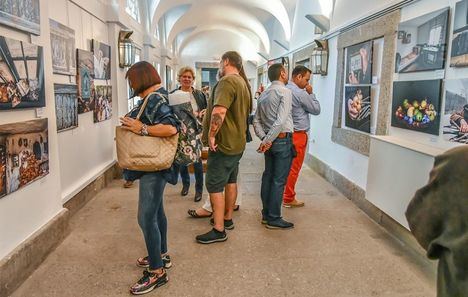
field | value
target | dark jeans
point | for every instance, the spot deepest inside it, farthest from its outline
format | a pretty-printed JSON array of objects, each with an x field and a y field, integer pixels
[
  {"x": 277, "y": 164},
  {"x": 151, "y": 216},
  {"x": 198, "y": 170}
]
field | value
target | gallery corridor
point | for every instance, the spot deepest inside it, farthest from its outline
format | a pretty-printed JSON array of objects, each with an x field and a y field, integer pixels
[{"x": 335, "y": 250}]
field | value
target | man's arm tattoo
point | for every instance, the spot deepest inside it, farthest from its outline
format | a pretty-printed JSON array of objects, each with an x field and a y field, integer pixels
[{"x": 216, "y": 122}]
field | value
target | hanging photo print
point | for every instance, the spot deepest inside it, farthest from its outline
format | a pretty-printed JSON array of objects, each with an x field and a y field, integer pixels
[
  {"x": 24, "y": 154},
  {"x": 358, "y": 108},
  {"x": 21, "y": 75},
  {"x": 66, "y": 106},
  {"x": 416, "y": 105},
  {"x": 21, "y": 14},
  {"x": 424, "y": 46},
  {"x": 102, "y": 60},
  {"x": 62, "y": 43},
  {"x": 455, "y": 118},
  {"x": 459, "y": 55},
  {"x": 103, "y": 103},
  {"x": 85, "y": 81},
  {"x": 359, "y": 63}
]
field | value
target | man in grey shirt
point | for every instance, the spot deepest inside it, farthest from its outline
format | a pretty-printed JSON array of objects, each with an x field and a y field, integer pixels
[
  {"x": 273, "y": 124},
  {"x": 303, "y": 104}
]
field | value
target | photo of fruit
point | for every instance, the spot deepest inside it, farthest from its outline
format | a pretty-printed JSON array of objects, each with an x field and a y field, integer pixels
[
  {"x": 358, "y": 108},
  {"x": 416, "y": 105}
]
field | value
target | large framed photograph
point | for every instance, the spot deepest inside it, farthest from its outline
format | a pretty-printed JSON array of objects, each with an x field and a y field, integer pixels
[
  {"x": 359, "y": 63},
  {"x": 459, "y": 54},
  {"x": 103, "y": 103},
  {"x": 21, "y": 75},
  {"x": 416, "y": 105},
  {"x": 85, "y": 81},
  {"x": 66, "y": 106},
  {"x": 62, "y": 43},
  {"x": 358, "y": 108},
  {"x": 21, "y": 14},
  {"x": 455, "y": 118},
  {"x": 102, "y": 60},
  {"x": 425, "y": 43},
  {"x": 24, "y": 154}
]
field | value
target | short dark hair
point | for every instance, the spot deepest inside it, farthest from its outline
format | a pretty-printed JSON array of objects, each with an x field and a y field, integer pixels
[
  {"x": 141, "y": 76},
  {"x": 299, "y": 69},
  {"x": 274, "y": 71}
]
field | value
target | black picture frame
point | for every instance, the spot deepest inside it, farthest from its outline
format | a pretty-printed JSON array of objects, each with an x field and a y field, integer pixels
[{"x": 359, "y": 63}]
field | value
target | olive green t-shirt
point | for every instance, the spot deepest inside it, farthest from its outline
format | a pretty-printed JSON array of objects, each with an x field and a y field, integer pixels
[{"x": 231, "y": 92}]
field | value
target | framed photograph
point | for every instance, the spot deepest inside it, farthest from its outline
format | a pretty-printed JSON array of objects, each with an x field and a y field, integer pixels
[
  {"x": 22, "y": 164},
  {"x": 85, "y": 81},
  {"x": 416, "y": 105},
  {"x": 103, "y": 103},
  {"x": 21, "y": 14},
  {"x": 21, "y": 75},
  {"x": 459, "y": 54},
  {"x": 62, "y": 43},
  {"x": 455, "y": 118},
  {"x": 102, "y": 60},
  {"x": 359, "y": 63},
  {"x": 358, "y": 108},
  {"x": 424, "y": 46},
  {"x": 66, "y": 106},
  {"x": 401, "y": 34}
]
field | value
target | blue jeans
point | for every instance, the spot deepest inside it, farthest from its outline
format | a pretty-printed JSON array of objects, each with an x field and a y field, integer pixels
[
  {"x": 198, "y": 170},
  {"x": 151, "y": 216},
  {"x": 278, "y": 161}
]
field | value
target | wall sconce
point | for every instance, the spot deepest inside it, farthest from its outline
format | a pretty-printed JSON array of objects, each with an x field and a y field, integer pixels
[
  {"x": 126, "y": 49},
  {"x": 320, "y": 58}
]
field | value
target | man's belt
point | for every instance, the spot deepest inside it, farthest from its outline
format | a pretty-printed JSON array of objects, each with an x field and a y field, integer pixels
[{"x": 284, "y": 135}]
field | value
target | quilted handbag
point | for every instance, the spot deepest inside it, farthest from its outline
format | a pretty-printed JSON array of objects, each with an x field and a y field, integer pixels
[{"x": 145, "y": 153}]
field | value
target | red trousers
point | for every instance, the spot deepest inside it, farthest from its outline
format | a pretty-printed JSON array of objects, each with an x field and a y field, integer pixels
[{"x": 300, "y": 144}]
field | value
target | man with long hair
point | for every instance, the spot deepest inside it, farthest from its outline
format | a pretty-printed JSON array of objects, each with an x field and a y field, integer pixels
[{"x": 225, "y": 132}]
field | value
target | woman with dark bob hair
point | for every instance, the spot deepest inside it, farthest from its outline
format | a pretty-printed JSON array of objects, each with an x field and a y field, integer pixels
[{"x": 157, "y": 120}]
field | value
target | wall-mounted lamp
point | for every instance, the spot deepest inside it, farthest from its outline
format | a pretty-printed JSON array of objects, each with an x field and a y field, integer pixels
[
  {"x": 126, "y": 49},
  {"x": 320, "y": 21},
  {"x": 320, "y": 57}
]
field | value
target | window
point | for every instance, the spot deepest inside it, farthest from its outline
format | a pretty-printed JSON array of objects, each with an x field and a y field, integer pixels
[{"x": 133, "y": 9}]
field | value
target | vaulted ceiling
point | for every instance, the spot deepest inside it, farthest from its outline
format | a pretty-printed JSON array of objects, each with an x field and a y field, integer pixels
[{"x": 193, "y": 25}]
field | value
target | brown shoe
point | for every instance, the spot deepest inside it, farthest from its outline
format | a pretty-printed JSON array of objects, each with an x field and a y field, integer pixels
[
  {"x": 294, "y": 203},
  {"x": 128, "y": 184}
]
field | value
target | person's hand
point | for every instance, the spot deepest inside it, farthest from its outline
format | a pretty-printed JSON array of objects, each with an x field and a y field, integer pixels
[
  {"x": 264, "y": 147},
  {"x": 308, "y": 89},
  {"x": 463, "y": 126},
  {"x": 202, "y": 113},
  {"x": 131, "y": 124},
  {"x": 212, "y": 144}
]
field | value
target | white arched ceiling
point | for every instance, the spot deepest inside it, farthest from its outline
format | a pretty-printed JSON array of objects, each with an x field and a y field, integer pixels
[
  {"x": 245, "y": 35},
  {"x": 197, "y": 46},
  {"x": 274, "y": 7},
  {"x": 209, "y": 16}
]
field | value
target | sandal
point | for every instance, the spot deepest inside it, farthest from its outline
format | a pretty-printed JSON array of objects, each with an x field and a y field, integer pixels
[{"x": 193, "y": 213}]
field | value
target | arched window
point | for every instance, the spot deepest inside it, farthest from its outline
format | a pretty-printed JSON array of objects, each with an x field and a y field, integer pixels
[{"x": 133, "y": 9}]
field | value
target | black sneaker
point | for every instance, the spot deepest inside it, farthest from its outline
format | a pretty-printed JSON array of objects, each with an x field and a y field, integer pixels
[
  {"x": 149, "y": 282},
  {"x": 228, "y": 224},
  {"x": 144, "y": 262},
  {"x": 279, "y": 224},
  {"x": 185, "y": 189},
  {"x": 212, "y": 237},
  {"x": 198, "y": 197}
]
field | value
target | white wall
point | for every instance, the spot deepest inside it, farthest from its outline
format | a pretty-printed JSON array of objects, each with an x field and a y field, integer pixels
[{"x": 77, "y": 156}]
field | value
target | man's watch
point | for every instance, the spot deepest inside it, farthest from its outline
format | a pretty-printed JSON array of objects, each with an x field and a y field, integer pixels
[{"x": 144, "y": 130}]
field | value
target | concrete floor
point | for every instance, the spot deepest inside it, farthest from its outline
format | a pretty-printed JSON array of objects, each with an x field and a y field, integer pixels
[{"x": 335, "y": 250}]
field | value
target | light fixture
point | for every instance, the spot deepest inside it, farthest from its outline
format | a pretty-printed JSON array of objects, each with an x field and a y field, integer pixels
[
  {"x": 320, "y": 57},
  {"x": 126, "y": 49},
  {"x": 320, "y": 21}
]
